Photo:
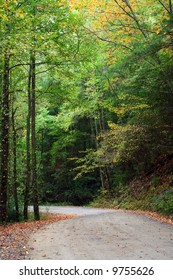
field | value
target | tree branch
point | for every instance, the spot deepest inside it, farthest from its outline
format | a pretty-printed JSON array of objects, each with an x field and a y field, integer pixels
[
  {"x": 26, "y": 64},
  {"x": 165, "y": 7},
  {"x": 106, "y": 40},
  {"x": 133, "y": 16}
]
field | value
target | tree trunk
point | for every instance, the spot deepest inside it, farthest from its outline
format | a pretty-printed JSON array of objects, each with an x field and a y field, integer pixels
[
  {"x": 15, "y": 167},
  {"x": 5, "y": 140},
  {"x": 170, "y": 6},
  {"x": 28, "y": 150},
  {"x": 104, "y": 176},
  {"x": 33, "y": 139}
]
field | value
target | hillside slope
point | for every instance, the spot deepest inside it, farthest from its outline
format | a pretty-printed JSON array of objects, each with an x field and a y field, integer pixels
[{"x": 152, "y": 191}]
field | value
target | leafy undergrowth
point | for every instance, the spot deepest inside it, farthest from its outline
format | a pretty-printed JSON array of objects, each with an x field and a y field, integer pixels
[
  {"x": 151, "y": 193},
  {"x": 132, "y": 208},
  {"x": 14, "y": 237}
]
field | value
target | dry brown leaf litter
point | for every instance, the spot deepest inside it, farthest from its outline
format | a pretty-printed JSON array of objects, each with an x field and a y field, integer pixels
[
  {"x": 154, "y": 215},
  {"x": 14, "y": 237}
]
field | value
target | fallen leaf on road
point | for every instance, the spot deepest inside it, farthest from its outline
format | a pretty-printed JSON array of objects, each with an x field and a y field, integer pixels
[{"x": 14, "y": 237}]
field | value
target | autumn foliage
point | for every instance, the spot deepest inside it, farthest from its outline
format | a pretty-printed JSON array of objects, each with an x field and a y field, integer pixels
[{"x": 86, "y": 93}]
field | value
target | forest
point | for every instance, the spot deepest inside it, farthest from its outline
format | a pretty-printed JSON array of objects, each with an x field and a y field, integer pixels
[{"x": 86, "y": 115}]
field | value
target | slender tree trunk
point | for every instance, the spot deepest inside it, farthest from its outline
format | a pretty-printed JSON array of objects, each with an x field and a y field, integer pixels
[
  {"x": 5, "y": 139},
  {"x": 101, "y": 120},
  {"x": 33, "y": 139},
  {"x": 28, "y": 150},
  {"x": 93, "y": 136},
  {"x": 104, "y": 176},
  {"x": 105, "y": 179},
  {"x": 15, "y": 166},
  {"x": 170, "y": 6}
]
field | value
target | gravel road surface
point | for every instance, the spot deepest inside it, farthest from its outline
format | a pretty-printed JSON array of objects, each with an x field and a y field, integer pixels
[{"x": 100, "y": 234}]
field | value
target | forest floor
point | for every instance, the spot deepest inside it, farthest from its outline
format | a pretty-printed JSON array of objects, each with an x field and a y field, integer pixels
[{"x": 14, "y": 237}]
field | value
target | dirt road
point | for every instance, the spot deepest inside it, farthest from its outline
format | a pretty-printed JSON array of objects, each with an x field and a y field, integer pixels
[{"x": 102, "y": 234}]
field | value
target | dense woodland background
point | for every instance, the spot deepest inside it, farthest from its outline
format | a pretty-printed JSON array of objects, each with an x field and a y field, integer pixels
[{"x": 86, "y": 115}]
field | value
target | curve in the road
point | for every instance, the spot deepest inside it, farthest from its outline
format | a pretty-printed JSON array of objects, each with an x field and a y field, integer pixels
[{"x": 102, "y": 234}]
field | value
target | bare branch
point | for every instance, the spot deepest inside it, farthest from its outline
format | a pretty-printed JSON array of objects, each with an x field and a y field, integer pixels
[
  {"x": 106, "y": 40},
  {"x": 26, "y": 64},
  {"x": 123, "y": 9},
  {"x": 132, "y": 16},
  {"x": 165, "y": 7}
]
